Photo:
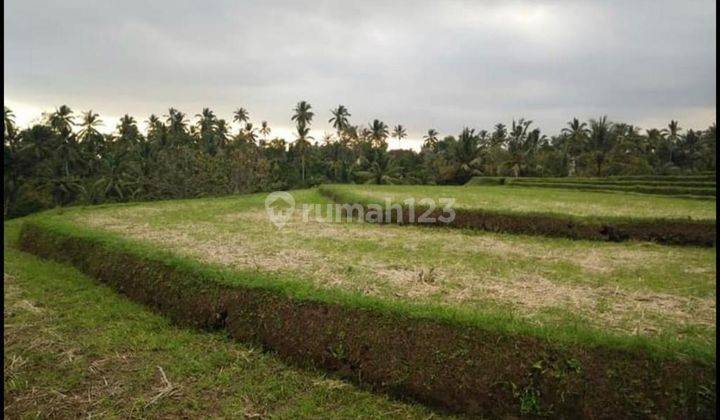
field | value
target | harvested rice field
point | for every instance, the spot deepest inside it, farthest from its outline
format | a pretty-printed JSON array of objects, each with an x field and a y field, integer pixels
[
  {"x": 638, "y": 289},
  {"x": 529, "y": 200},
  {"x": 467, "y": 321}
]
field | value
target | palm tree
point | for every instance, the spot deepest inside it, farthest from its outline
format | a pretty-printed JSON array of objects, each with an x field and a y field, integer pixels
[
  {"x": 62, "y": 120},
  {"x": 176, "y": 121},
  {"x": 249, "y": 132},
  {"x": 155, "y": 128},
  {"x": 206, "y": 121},
  {"x": 499, "y": 135},
  {"x": 339, "y": 119},
  {"x": 9, "y": 124},
  {"x": 303, "y": 117},
  {"x": 241, "y": 116},
  {"x": 382, "y": 170},
  {"x": 90, "y": 120},
  {"x": 431, "y": 139},
  {"x": 673, "y": 131},
  {"x": 466, "y": 152},
  {"x": 399, "y": 132},
  {"x": 221, "y": 131},
  {"x": 127, "y": 130},
  {"x": 576, "y": 135},
  {"x": 126, "y": 126},
  {"x": 302, "y": 146},
  {"x": 303, "y": 114},
  {"x": 378, "y": 132},
  {"x": 153, "y": 122},
  {"x": 601, "y": 140},
  {"x": 264, "y": 129}
]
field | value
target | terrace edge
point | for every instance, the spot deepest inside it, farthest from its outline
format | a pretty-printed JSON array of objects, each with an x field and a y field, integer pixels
[{"x": 666, "y": 231}]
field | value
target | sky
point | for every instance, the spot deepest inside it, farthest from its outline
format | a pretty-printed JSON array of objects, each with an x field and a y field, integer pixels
[{"x": 436, "y": 64}]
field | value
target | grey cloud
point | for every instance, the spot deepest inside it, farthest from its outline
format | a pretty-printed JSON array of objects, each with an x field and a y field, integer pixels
[{"x": 441, "y": 64}]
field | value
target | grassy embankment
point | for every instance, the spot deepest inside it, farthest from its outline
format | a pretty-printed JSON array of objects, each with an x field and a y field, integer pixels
[
  {"x": 553, "y": 212},
  {"x": 75, "y": 348},
  {"x": 689, "y": 186}
]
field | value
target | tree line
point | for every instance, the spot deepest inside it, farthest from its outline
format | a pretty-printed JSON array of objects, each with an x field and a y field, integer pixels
[{"x": 65, "y": 159}]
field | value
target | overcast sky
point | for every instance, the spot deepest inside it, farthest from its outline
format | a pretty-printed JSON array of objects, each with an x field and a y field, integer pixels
[{"x": 440, "y": 64}]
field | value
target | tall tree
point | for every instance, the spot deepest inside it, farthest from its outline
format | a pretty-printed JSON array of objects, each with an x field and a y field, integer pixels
[
  {"x": 206, "y": 122},
  {"x": 62, "y": 120},
  {"x": 576, "y": 135},
  {"x": 378, "y": 133},
  {"x": 430, "y": 139},
  {"x": 176, "y": 122},
  {"x": 241, "y": 116},
  {"x": 601, "y": 141},
  {"x": 8, "y": 123},
  {"x": 88, "y": 126},
  {"x": 303, "y": 116},
  {"x": 340, "y": 119},
  {"x": 264, "y": 129},
  {"x": 399, "y": 132}
]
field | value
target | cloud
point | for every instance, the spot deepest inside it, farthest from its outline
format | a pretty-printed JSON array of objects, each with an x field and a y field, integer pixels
[{"x": 423, "y": 64}]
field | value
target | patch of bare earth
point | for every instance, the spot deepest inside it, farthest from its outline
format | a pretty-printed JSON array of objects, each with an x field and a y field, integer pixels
[{"x": 262, "y": 247}]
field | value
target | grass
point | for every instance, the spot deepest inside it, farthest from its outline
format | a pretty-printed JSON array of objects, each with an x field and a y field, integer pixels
[
  {"x": 580, "y": 204},
  {"x": 610, "y": 181},
  {"x": 683, "y": 192},
  {"x": 488, "y": 180},
  {"x": 659, "y": 296},
  {"x": 76, "y": 348}
]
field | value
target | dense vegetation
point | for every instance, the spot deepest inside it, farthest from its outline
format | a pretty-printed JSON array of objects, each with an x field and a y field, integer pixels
[{"x": 65, "y": 159}]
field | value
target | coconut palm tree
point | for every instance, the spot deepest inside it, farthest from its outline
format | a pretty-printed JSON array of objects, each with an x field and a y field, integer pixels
[
  {"x": 264, "y": 129},
  {"x": 430, "y": 139},
  {"x": 431, "y": 136},
  {"x": 303, "y": 114},
  {"x": 241, "y": 116},
  {"x": 249, "y": 132},
  {"x": 303, "y": 117},
  {"x": 176, "y": 122},
  {"x": 90, "y": 121},
  {"x": 575, "y": 137},
  {"x": 382, "y": 169},
  {"x": 128, "y": 133},
  {"x": 339, "y": 118},
  {"x": 62, "y": 120},
  {"x": 399, "y": 132},
  {"x": 499, "y": 135},
  {"x": 673, "y": 131},
  {"x": 601, "y": 141},
  {"x": 302, "y": 145},
  {"x": 378, "y": 132},
  {"x": 8, "y": 124},
  {"x": 466, "y": 152},
  {"x": 221, "y": 133},
  {"x": 127, "y": 126},
  {"x": 206, "y": 121}
]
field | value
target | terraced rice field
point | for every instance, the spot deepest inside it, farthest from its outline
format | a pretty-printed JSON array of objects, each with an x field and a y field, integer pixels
[
  {"x": 636, "y": 289},
  {"x": 582, "y": 204},
  {"x": 334, "y": 293}
]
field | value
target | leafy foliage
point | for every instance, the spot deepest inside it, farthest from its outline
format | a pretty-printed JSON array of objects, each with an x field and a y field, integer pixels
[{"x": 65, "y": 159}]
